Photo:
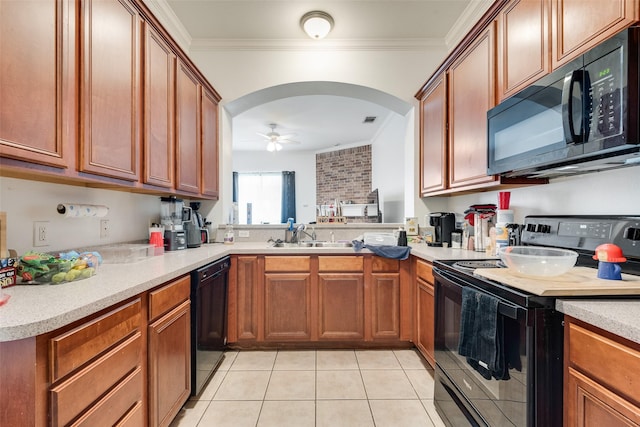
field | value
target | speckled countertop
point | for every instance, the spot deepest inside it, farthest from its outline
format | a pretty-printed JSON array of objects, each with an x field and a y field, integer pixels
[
  {"x": 618, "y": 316},
  {"x": 37, "y": 309}
]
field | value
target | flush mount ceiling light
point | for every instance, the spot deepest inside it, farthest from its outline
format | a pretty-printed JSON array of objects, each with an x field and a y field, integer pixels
[{"x": 316, "y": 24}]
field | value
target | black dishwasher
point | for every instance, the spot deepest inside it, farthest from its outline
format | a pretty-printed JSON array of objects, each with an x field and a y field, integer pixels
[{"x": 208, "y": 321}]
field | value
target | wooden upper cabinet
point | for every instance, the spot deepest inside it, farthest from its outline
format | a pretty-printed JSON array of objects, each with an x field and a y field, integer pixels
[
  {"x": 523, "y": 45},
  {"x": 210, "y": 180},
  {"x": 579, "y": 25},
  {"x": 110, "y": 89},
  {"x": 188, "y": 149},
  {"x": 38, "y": 110},
  {"x": 433, "y": 137},
  {"x": 471, "y": 94},
  {"x": 159, "y": 111}
]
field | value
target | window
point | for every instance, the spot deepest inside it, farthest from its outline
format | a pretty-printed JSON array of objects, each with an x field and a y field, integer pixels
[{"x": 259, "y": 197}]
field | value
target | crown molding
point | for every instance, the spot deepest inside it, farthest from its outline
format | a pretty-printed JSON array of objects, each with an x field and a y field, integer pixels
[
  {"x": 163, "y": 12},
  {"x": 296, "y": 45},
  {"x": 470, "y": 16}
]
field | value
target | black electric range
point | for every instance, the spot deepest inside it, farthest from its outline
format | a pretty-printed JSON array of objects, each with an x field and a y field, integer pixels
[{"x": 529, "y": 390}]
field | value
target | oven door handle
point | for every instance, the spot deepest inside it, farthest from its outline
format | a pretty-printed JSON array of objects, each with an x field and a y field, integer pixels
[{"x": 447, "y": 280}]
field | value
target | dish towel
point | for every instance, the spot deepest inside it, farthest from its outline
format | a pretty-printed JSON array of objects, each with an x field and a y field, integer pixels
[
  {"x": 481, "y": 334},
  {"x": 386, "y": 251}
]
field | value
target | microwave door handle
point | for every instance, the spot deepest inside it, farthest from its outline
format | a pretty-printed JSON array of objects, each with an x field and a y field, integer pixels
[{"x": 570, "y": 79}]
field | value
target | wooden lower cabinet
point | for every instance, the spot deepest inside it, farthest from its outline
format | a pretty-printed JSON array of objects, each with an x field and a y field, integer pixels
[
  {"x": 385, "y": 305},
  {"x": 128, "y": 365},
  {"x": 341, "y": 306},
  {"x": 346, "y": 300},
  {"x": 425, "y": 310},
  {"x": 602, "y": 385},
  {"x": 169, "y": 350},
  {"x": 287, "y": 307}
]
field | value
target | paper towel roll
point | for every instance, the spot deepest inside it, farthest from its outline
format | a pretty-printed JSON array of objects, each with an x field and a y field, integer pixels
[{"x": 74, "y": 210}]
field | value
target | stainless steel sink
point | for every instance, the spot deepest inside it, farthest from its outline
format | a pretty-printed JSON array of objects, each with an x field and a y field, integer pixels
[
  {"x": 334, "y": 244},
  {"x": 313, "y": 244}
]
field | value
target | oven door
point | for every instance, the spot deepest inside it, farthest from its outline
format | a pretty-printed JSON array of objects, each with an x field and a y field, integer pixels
[{"x": 461, "y": 391}]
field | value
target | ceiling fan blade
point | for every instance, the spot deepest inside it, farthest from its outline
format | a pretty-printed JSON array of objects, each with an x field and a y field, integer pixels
[
  {"x": 288, "y": 141},
  {"x": 286, "y": 136},
  {"x": 263, "y": 135}
]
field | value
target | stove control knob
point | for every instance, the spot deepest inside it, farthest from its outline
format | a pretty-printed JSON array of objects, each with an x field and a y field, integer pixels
[
  {"x": 632, "y": 233},
  {"x": 541, "y": 228}
]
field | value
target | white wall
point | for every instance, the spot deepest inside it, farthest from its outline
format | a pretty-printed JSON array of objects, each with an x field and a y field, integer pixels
[
  {"x": 388, "y": 166},
  {"x": 302, "y": 162},
  {"x": 614, "y": 192},
  {"x": 28, "y": 201}
]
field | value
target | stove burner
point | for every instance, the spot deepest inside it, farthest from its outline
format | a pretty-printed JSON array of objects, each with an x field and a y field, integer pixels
[{"x": 472, "y": 265}]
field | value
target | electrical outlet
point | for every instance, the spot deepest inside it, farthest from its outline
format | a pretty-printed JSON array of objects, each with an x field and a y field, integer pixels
[
  {"x": 104, "y": 228},
  {"x": 40, "y": 233},
  {"x": 243, "y": 233}
]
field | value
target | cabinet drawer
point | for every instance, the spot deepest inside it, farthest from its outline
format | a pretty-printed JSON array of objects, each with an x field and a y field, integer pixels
[
  {"x": 340, "y": 263},
  {"x": 381, "y": 264},
  {"x": 164, "y": 299},
  {"x": 601, "y": 358},
  {"x": 122, "y": 406},
  {"x": 76, "y": 347},
  {"x": 70, "y": 398},
  {"x": 424, "y": 271},
  {"x": 287, "y": 263}
]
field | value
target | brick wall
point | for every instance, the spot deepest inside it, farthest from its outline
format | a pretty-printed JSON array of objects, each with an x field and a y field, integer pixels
[{"x": 344, "y": 175}]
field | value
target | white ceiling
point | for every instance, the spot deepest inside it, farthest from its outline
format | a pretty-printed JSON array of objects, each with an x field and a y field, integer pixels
[{"x": 317, "y": 121}]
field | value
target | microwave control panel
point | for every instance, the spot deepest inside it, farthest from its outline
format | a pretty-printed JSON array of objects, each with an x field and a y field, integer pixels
[{"x": 607, "y": 84}]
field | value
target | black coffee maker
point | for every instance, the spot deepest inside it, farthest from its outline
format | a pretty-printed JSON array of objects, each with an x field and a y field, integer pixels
[{"x": 443, "y": 223}]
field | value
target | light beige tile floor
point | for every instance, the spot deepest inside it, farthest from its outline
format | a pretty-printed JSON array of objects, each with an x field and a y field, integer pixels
[{"x": 316, "y": 388}]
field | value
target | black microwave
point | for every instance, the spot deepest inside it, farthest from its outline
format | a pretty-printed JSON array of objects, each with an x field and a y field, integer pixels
[{"x": 583, "y": 117}]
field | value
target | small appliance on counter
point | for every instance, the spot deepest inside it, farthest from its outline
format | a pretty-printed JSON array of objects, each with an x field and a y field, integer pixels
[
  {"x": 194, "y": 238},
  {"x": 200, "y": 222},
  {"x": 175, "y": 237},
  {"x": 443, "y": 223}
]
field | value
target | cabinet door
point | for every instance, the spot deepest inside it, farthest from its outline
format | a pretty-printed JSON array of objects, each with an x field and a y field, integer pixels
[
  {"x": 38, "y": 82},
  {"x": 287, "y": 307},
  {"x": 169, "y": 364},
  {"x": 110, "y": 89},
  {"x": 425, "y": 320},
  {"x": 341, "y": 306},
  {"x": 245, "y": 310},
  {"x": 159, "y": 112},
  {"x": 590, "y": 404},
  {"x": 433, "y": 138},
  {"x": 523, "y": 45},
  {"x": 385, "y": 306},
  {"x": 210, "y": 184},
  {"x": 578, "y": 25},
  {"x": 471, "y": 95},
  {"x": 187, "y": 131}
]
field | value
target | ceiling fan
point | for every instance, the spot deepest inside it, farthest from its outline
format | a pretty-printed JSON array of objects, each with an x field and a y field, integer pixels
[{"x": 275, "y": 140}]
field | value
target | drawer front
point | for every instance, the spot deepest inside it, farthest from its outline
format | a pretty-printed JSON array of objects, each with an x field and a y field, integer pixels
[
  {"x": 287, "y": 263},
  {"x": 166, "y": 298},
  {"x": 73, "y": 396},
  {"x": 76, "y": 347},
  {"x": 424, "y": 271},
  {"x": 602, "y": 358},
  {"x": 340, "y": 263},
  {"x": 122, "y": 406},
  {"x": 381, "y": 264}
]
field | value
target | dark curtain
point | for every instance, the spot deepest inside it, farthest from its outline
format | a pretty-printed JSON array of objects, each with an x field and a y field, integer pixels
[
  {"x": 288, "y": 196},
  {"x": 235, "y": 187}
]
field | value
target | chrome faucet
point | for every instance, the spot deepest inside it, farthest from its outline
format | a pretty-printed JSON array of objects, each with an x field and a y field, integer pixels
[{"x": 300, "y": 230}]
